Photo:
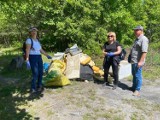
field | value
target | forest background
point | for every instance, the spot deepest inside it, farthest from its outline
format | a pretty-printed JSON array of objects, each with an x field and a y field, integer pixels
[{"x": 62, "y": 23}]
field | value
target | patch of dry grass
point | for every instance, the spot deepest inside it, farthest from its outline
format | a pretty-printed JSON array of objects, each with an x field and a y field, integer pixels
[{"x": 144, "y": 108}]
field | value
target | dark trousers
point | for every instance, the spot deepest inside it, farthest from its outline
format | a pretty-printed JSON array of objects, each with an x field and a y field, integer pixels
[
  {"x": 114, "y": 63},
  {"x": 37, "y": 70}
]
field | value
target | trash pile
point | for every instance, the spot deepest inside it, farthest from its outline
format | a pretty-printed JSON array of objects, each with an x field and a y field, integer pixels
[{"x": 72, "y": 64}]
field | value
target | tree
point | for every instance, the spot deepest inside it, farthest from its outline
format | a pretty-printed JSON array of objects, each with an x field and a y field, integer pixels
[{"x": 62, "y": 23}]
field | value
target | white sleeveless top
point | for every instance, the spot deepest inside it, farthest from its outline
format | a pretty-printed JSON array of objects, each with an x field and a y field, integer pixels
[{"x": 35, "y": 50}]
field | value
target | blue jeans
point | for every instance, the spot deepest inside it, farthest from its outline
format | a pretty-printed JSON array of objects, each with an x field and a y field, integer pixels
[
  {"x": 137, "y": 77},
  {"x": 37, "y": 70}
]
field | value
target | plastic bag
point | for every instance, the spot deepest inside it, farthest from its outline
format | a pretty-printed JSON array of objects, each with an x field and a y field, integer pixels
[
  {"x": 85, "y": 59},
  {"x": 57, "y": 64},
  {"x": 55, "y": 78}
]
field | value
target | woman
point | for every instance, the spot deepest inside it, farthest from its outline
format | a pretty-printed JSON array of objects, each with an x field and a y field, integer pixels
[
  {"x": 34, "y": 59},
  {"x": 111, "y": 51}
]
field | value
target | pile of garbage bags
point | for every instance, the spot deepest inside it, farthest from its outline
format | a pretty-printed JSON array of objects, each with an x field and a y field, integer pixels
[
  {"x": 55, "y": 75},
  {"x": 86, "y": 60},
  {"x": 56, "y": 71}
]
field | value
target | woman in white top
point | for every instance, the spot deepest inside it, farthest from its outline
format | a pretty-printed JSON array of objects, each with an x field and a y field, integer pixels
[{"x": 34, "y": 59}]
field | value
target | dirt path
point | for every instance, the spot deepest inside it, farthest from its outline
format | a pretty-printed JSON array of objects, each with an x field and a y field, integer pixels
[{"x": 92, "y": 101}]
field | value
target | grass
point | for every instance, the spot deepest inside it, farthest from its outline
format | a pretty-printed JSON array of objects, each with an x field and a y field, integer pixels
[
  {"x": 137, "y": 116},
  {"x": 152, "y": 68},
  {"x": 98, "y": 60},
  {"x": 111, "y": 114},
  {"x": 144, "y": 107},
  {"x": 50, "y": 113},
  {"x": 129, "y": 78},
  {"x": 9, "y": 103},
  {"x": 7, "y": 55},
  {"x": 156, "y": 107},
  {"x": 151, "y": 72},
  {"x": 88, "y": 116},
  {"x": 139, "y": 104},
  {"x": 92, "y": 94},
  {"x": 14, "y": 88}
]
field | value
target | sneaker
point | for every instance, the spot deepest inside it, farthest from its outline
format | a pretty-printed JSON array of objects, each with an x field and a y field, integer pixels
[
  {"x": 136, "y": 93},
  {"x": 105, "y": 84},
  {"x": 86, "y": 81},
  {"x": 40, "y": 89},
  {"x": 114, "y": 87},
  {"x": 33, "y": 91}
]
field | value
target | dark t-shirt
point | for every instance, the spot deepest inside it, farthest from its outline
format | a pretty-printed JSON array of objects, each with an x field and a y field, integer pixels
[{"x": 111, "y": 47}]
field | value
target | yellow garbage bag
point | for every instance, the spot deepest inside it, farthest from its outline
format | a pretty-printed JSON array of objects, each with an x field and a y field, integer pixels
[
  {"x": 57, "y": 64},
  {"x": 85, "y": 59},
  {"x": 95, "y": 68},
  {"x": 55, "y": 78},
  {"x": 91, "y": 63},
  {"x": 61, "y": 82},
  {"x": 99, "y": 72}
]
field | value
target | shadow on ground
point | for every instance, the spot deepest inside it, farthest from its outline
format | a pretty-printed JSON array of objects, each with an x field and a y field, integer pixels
[
  {"x": 121, "y": 85},
  {"x": 14, "y": 91}
]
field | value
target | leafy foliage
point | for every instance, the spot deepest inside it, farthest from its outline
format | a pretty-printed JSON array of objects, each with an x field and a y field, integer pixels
[{"x": 65, "y": 22}]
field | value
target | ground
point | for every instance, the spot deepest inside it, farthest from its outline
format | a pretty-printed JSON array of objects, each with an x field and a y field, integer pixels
[
  {"x": 84, "y": 101},
  {"x": 78, "y": 101}
]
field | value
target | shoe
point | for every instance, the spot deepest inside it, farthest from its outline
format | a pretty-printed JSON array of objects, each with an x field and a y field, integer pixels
[
  {"x": 136, "y": 93},
  {"x": 40, "y": 89},
  {"x": 114, "y": 87},
  {"x": 86, "y": 81},
  {"x": 33, "y": 91},
  {"x": 105, "y": 84}
]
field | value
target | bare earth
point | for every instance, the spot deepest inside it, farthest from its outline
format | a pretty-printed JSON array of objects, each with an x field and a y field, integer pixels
[{"x": 92, "y": 101}]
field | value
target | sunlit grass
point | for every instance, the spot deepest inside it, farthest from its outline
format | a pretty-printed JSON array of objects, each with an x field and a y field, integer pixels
[
  {"x": 151, "y": 72},
  {"x": 143, "y": 106}
]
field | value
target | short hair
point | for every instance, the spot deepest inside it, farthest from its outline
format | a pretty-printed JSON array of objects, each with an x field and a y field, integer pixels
[{"x": 114, "y": 35}]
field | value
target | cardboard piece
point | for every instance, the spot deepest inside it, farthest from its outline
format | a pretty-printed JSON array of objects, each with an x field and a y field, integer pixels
[{"x": 73, "y": 66}]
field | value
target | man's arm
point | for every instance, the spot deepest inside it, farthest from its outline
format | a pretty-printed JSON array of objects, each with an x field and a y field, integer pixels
[
  {"x": 145, "y": 44},
  {"x": 141, "y": 62}
]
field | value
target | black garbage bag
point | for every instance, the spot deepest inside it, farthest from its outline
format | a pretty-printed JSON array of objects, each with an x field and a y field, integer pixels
[{"x": 86, "y": 72}]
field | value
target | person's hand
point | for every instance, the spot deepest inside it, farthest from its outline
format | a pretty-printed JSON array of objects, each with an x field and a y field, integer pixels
[
  {"x": 104, "y": 54},
  {"x": 28, "y": 66},
  {"x": 140, "y": 64},
  {"x": 110, "y": 54},
  {"x": 49, "y": 57}
]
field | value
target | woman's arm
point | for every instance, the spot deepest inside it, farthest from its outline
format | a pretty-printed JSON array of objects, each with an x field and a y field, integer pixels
[
  {"x": 43, "y": 52},
  {"x": 104, "y": 53},
  {"x": 119, "y": 49},
  {"x": 28, "y": 47}
]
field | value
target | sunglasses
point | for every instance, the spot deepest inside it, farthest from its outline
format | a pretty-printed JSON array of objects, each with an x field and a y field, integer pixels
[{"x": 110, "y": 36}]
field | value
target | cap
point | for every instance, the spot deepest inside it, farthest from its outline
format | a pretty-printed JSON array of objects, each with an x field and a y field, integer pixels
[
  {"x": 32, "y": 28},
  {"x": 138, "y": 28}
]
